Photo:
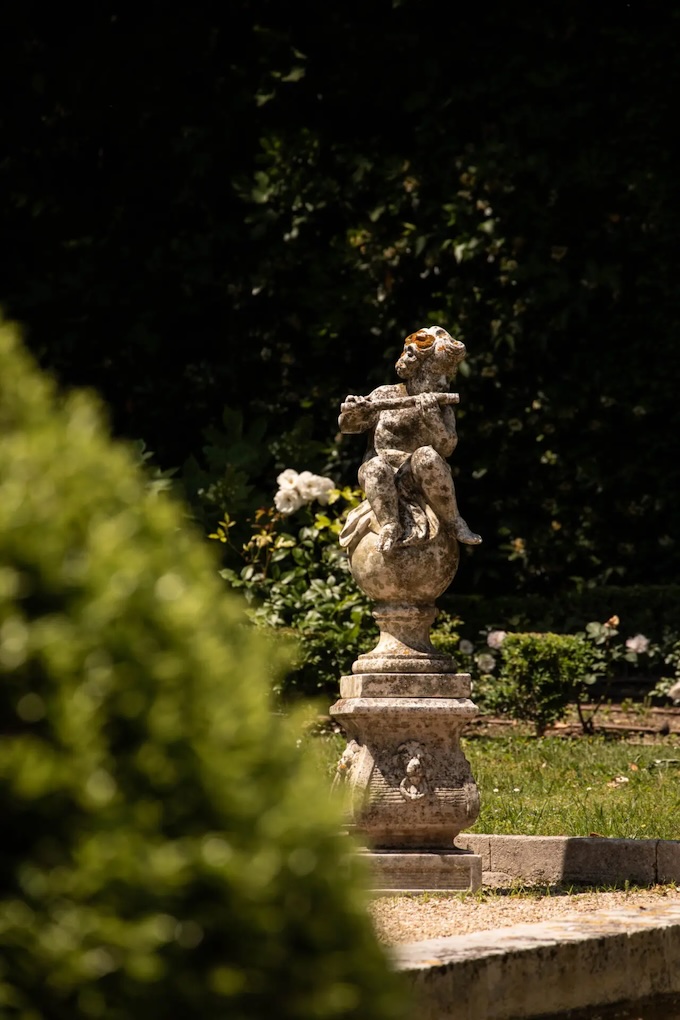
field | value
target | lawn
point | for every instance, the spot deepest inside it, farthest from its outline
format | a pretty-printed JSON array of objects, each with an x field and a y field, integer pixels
[
  {"x": 557, "y": 786},
  {"x": 553, "y": 786}
]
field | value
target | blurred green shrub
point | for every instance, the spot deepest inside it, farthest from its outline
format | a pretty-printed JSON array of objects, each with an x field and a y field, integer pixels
[
  {"x": 167, "y": 849},
  {"x": 540, "y": 676}
]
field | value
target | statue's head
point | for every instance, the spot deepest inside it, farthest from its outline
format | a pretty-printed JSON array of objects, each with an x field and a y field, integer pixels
[{"x": 430, "y": 347}]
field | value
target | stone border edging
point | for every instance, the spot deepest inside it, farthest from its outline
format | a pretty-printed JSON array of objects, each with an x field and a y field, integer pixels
[
  {"x": 530, "y": 970},
  {"x": 586, "y": 860}
]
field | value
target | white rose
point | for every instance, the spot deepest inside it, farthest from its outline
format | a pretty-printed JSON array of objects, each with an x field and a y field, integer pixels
[
  {"x": 306, "y": 485},
  {"x": 496, "y": 638},
  {"x": 638, "y": 644},
  {"x": 287, "y": 479},
  {"x": 466, "y": 647},
  {"x": 288, "y": 500},
  {"x": 324, "y": 487},
  {"x": 486, "y": 662}
]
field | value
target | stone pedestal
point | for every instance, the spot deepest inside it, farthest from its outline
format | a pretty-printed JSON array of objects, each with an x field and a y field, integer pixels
[
  {"x": 409, "y": 786},
  {"x": 431, "y": 871},
  {"x": 404, "y": 645}
]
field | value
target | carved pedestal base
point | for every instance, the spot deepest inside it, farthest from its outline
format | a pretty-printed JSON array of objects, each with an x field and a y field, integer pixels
[
  {"x": 409, "y": 786},
  {"x": 455, "y": 870}
]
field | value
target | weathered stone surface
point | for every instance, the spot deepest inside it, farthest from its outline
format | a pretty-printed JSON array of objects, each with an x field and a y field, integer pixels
[
  {"x": 406, "y": 685},
  {"x": 610, "y": 860},
  {"x": 388, "y": 714},
  {"x": 425, "y": 872},
  {"x": 668, "y": 861},
  {"x": 402, "y": 541},
  {"x": 404, "y": 644},
  {"x": 406, "y": 663},
  {"x": 421, "y": 572},
  {"x": 549, "y": 860},
  {"x": 534, "y": 970},
  {"x": 479, "y": 844},
  {"x": 408, "y": 782}
]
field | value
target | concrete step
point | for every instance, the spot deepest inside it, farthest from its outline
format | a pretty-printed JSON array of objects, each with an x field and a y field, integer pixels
[{"x": 624, "y": 956}]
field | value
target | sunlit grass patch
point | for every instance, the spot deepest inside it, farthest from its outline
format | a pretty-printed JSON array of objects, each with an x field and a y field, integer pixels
[{"x": 555, "y": 786}]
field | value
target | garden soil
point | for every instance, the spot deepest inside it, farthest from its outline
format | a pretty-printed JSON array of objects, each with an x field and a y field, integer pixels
[{"x": 626, "y": 720}]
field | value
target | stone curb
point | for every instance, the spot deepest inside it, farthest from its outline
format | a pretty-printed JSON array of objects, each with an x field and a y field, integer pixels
[
  {"x": 619, "y": 956},
  {"x": 553, "y": 860}
]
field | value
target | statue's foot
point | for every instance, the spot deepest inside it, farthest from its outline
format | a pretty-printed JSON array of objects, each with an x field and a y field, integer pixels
[
  {"x": 463, "y": 533},
  {"x": 389, "y": 537}
]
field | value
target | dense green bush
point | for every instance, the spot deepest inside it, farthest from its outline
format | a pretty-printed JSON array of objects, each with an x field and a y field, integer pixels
[
  {"x": 296, "y": 579},
  {"x": 307, "y": 201},
  {"x": 167, "y": 849},
  {"x": 540, "y": 676},
  {"x": 652, "y": 610}
]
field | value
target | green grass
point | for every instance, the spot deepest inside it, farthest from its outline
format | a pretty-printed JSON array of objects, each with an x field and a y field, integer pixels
[
  {"x": 520, "y": 890},
  {"x": 553, "y": 786},
  {"x": 559, "y": 787}
]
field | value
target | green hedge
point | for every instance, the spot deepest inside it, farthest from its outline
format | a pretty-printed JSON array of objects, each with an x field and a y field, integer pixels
[
  {"x": 540, "y": 676},
  {"x": 167, "y": 849},
  {"x": 307, "y": 202},
  {"x": 651, "y": 610}
]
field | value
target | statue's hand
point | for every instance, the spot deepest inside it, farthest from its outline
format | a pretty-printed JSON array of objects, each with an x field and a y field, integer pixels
[
  {"x": 357, "y": 414},
  {"x": 428, "y": 403},
  {"x": 352, "y": 403}
]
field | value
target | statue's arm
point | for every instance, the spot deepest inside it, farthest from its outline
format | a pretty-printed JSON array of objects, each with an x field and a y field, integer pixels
[
  {"x": 441, "y": 424},
  {"x": 357, "y": 414}
]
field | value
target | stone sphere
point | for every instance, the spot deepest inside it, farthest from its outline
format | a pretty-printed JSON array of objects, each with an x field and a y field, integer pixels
[{"x": 412, "y": 574}]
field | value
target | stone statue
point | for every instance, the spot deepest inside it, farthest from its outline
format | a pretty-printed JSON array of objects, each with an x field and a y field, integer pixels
[
  {"x": 402, "y": 540},
  {"x": 408, "y": 784},
  {"x": 411, "y": 431}
]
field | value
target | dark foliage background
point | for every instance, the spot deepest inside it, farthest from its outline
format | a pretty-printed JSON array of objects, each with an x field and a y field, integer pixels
[{"x": 226, "y": 218}]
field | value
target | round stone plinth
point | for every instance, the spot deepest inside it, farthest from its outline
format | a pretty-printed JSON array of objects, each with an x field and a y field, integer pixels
[
  {"x": 404, "y": 645},
  {"x": 418, "y": 573},
  {"x": 406, "y": 685},
  {"x": 414, "y": 663}
]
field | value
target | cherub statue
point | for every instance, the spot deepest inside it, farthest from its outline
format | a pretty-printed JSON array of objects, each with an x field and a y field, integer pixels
[{"x": 411, "y": 432}]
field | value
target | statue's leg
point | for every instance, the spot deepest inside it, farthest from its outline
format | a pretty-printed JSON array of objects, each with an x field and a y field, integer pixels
[
  {"x": 376, "y": 478},
  {"x": 433, "y": 476}
]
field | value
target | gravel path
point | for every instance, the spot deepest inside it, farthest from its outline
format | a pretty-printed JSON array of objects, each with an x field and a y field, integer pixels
[{"x": 413, "y": 918}]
